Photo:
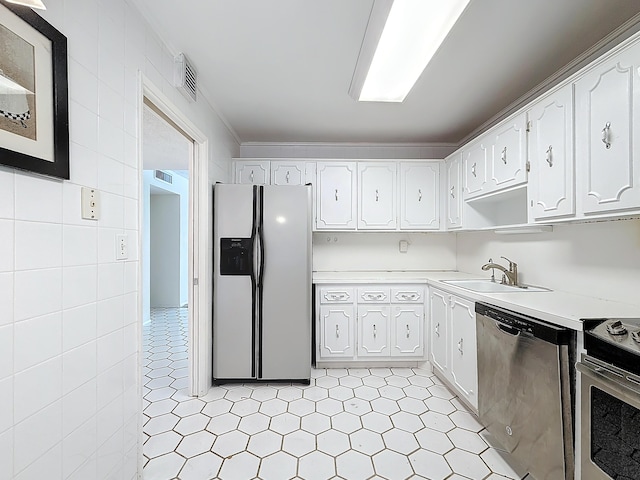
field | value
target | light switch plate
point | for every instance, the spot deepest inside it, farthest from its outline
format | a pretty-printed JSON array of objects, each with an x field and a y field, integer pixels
[
  {"x": 90, "y": 203},
  {"x": 403, "y": 246},
  {"x": 122, "y": 247}
]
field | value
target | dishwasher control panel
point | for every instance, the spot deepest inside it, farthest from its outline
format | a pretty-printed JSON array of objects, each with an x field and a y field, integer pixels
[{"x": 525, "y": 324}]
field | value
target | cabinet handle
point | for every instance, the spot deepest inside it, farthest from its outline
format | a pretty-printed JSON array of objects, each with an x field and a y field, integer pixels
[
  {"x": 408, "y": 331},
  {"x": 503, "y": 155},
  {"x": 419, "y": 195},
  {"x": 377, "y": 196},
  {"x": 549, "y": 156},
  {"x": 336, "y": 296},
  {"x": 287, "y": 176},
  {"x": 251, "y": 176},
  {"x": 453, "y": 194},
  {"x": 473, "y": 170},
  {"x": 337, "y": 331},
  {"x": 437, "y": 329},
  {"x": 460, "y": 346},
  {"x": 605, "y": 135},
  {"x": 336, "y": 194},
  {"x": 374, "y": 331}
]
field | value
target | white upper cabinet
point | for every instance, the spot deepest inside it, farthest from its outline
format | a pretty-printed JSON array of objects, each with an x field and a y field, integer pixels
[
  {"x": 377, "y": 196},
  {"x": 336, "y": 196},
  {"x": 509, "y": 153},
  {"x": 253, "y": 172},
  {"x": 288, "y": 173},
  {"x": 608, "y": 132},
  {"x": 420, "y": 196},
  {"x": 453, "y": 192},
  {"x": 474, "y": 168},
  {"x": 551, "y": 179}
]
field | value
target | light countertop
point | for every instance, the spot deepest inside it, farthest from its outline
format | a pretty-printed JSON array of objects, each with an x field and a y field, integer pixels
[{"x": 561, "y": 308}]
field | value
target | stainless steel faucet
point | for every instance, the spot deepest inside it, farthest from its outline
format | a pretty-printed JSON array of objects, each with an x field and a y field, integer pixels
[{"x": 510, "y": 276}]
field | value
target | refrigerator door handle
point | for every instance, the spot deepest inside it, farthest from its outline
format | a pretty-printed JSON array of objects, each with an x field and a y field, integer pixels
[
  {"x": 260, "y": 275},
  {"x": 254, "y": 278}
]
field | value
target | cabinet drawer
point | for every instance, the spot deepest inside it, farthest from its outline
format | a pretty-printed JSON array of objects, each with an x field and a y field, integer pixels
[
  {"x": 373, "y": 295},
  {"x": 407, "y": 294},
  {"x": 336, "y": 295}
]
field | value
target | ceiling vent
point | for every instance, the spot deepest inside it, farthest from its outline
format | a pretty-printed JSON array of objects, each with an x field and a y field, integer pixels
[
  {"x": 186, "y": 77},
  {"x": 164, "y": 176}
]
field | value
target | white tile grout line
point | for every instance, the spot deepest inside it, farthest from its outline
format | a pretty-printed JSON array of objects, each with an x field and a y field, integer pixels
[{"x": 426, "y": 430}]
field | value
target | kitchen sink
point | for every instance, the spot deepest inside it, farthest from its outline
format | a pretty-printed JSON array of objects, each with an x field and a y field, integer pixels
[{"x": 485, "y": 285}]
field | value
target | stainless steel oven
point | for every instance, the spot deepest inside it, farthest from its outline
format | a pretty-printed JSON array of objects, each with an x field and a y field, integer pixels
[{"x": 610, "y": 400}]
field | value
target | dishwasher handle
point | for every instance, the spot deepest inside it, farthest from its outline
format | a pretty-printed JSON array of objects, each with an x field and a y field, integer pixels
[{"x": 508, "y": 329}]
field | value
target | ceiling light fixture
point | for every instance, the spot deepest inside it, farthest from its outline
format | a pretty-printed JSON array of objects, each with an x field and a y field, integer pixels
[
  {"x": 29, "y": 3},
  {"x": 402, "y": 37}
]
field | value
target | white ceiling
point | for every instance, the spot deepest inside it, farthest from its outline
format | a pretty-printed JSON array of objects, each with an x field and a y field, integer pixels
[{"x": 280, "y": 70}]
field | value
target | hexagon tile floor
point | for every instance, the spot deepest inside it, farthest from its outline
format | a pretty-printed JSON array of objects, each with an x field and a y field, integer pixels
[{"x": 375, "y": 423}]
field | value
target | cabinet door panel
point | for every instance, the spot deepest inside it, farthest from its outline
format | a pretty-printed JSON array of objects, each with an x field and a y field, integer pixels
[
  {"x": 475, "y": 168},
  {"x": 438, "y": 307},
  {"x": 377, "y": 196},
  {"x": 508, "y": 160},
  {"x": 420, "y": 195},
  {"x": 607, "y": 134},
  {"x": 287, "y": 173},
  {"x": 336, "y": 331},
  {"x": 373, "y": 331},
  {"x": 464, "y": 370},
  {"x": 454, "y": 193},
  {"x": 407, "y": 332},
  {"x": 256, "y": 173},
  {"x": 551, "y": 180},
  {"x": 336, "y": 190}
]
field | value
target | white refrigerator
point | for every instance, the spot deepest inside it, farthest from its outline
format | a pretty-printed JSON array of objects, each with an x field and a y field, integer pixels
[{"x": 261, "y": 283}]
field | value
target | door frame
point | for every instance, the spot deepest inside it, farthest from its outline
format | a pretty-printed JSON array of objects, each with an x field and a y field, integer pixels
[{"x": 199, "y": 334}]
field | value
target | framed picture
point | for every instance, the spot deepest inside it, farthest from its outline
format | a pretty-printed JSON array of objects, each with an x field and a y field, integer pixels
[{"x": 34, "y": 106}]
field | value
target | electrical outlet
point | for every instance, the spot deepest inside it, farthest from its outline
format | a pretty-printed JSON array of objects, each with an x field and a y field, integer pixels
[
  {"x": 90, "y": 203},
  {"x": 122, "y": 248}
]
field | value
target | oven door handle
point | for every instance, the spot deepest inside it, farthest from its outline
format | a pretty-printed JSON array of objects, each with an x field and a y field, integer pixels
[{"x": 620, "y": 384}]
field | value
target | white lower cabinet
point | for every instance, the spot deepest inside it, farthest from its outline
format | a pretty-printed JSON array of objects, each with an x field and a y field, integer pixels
[
  {"x": 438, "y": 314},
  {"x": 373, "y": 330},
  {"x": 407, "y": 330},
  {"x": 452, "y": 334},
  {"x": 372, "y": 323},
  {"x": 336, "y": 320}
]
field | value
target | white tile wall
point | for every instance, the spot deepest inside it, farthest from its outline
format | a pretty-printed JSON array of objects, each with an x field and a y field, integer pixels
[
  {"x": 37, "y": 340},
  {"x": 6, "y": 404},
  {"x": 38, "y": 245},
  {"x": 6, "y": 245},
  {"x": 69, "y": 341}
]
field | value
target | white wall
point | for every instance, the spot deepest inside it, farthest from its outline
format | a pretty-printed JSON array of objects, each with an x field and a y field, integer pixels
[
  {"x": 380, "y": 251},
  {"x": 595, "y": 259},
  {"x": 69, "y": 325},
  {"x": 179, "y": 187},
  {"x": 165, "y": 251}
]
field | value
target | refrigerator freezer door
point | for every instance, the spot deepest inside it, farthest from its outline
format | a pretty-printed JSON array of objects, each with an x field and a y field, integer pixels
[
  {"x": 234, "y": 328},
  {"x": 285, "y": 330}
]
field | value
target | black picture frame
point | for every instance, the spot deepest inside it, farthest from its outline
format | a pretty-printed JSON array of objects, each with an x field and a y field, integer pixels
[{"x": 58, "y": 140}]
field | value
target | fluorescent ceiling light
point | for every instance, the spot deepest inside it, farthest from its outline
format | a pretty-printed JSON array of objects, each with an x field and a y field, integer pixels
[
  {"x": 412, "y": 33},
  {"x": 29, "y": 3}
]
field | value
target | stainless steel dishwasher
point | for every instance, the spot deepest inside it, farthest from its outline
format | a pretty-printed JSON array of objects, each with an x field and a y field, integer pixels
[{"x": 525, "y": 385}]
